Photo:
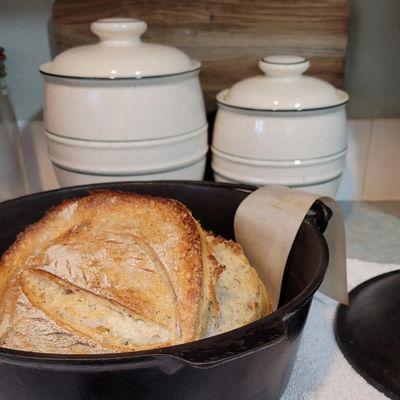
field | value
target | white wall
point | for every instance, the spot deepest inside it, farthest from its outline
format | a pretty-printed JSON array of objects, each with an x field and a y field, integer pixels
[
  {"x": 373, "y": 160},
  {"x": 24, "y": 35},
  {"x": 373, "y": 59}
]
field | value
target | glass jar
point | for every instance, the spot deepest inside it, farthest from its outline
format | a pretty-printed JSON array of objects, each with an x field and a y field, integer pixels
[{"x": 12, "y": 172}]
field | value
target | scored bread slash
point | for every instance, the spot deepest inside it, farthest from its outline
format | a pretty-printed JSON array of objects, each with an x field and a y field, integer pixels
[
  {"x": 142, "y": 252},
  {"x": 101, "y": 319}
]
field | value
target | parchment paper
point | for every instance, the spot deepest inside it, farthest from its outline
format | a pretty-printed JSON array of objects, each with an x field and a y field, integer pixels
[{"x": 266, "y": 224}]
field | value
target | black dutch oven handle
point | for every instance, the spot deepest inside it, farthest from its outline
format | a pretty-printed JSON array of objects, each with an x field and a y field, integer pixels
[{"x": 319, "y": 215}]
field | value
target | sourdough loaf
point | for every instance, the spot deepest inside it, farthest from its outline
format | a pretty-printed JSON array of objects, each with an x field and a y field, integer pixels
[
  {"x": 115, "y": 272},
  {"x": 240, "y": 293}
]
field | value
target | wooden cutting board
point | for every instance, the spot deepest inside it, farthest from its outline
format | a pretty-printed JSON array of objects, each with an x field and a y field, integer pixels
[{"x": 227, "y": 36}]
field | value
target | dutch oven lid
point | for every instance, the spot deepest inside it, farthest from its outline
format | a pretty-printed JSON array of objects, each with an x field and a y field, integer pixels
[
  {"x": 283, "y": 87},
  {"x": 119, "y": 54}
]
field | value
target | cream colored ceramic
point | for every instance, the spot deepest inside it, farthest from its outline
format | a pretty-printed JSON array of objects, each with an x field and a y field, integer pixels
[
  {"x": 135, "y": 157},
  {"x": 280, "y": 135},
  {"x": 281, "y": 127},
  {"x": 283, "y": 172},
  {"x": 120, "y": 53},
  {"x": 326, "y": 188},
  {"x": 189, "y": 172},
  {"x": 283, "y": 87},
  {"x": 121, "y": 88}
]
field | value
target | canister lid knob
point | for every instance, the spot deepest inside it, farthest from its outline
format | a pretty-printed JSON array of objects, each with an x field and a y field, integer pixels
[
  {"x": 284, "y": 66},
  {"x": 117, "y": 31}
]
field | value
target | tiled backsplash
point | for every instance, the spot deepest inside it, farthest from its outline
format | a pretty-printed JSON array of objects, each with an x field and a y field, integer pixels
[
  {"x": 373, "y": 160},
  {"x": 359, "y": 133},
  {"x": 382, "y": 175},
  {"x": 372, "y": 171}
]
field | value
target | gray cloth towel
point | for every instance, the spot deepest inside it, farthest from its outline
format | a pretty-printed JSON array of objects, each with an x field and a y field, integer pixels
[{"x": 321, "y": 372}]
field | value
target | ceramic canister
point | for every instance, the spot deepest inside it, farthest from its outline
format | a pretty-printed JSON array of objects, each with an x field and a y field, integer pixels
[
  {"x": 124, "y": 108},
  {"x": 282, "y": 127},
  {"x": 121, "y": 88}
]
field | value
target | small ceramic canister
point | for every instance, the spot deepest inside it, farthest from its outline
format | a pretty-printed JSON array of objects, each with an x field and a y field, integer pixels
[{"x": 281, "y": 128}]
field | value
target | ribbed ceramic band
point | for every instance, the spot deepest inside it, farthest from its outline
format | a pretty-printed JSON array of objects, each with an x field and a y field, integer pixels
[{"x": 142, "y": 171}]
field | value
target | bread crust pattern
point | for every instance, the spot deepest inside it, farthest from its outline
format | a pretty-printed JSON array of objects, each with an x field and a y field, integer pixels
[{"x": 115, "y": 272}]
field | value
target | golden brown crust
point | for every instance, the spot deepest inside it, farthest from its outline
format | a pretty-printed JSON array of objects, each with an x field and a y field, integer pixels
[
  {"x": 131, "y": 236},
  {"x": 237, "y": 249},
  {"x": 241, "y": 294},
  {"x": 212, "y": 269},
  {"x": 98, "y": 318},
  {"x": 139, "y": 268}
]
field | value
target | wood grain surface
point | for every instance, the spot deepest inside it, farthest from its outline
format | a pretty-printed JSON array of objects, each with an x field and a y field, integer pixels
[{"x": 227, "y": 36}]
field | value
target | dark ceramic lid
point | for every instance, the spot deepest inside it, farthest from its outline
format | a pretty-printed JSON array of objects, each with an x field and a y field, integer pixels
[{"x": 368, "y": 332}]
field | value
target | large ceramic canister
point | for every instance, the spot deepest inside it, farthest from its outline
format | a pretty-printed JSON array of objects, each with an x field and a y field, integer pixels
[
  {"x": 122, "y": 88},
  {"x": 124, "y": 109},
  {"x": 281, "y": 127}
]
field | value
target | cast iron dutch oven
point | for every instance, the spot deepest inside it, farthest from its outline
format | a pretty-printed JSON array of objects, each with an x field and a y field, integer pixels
[{"x": 252, "y": 362}]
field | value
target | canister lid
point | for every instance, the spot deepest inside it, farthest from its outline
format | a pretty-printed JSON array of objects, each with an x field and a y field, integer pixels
[
  {"x": 119, "y": 54},
  {"x": 283, "y": 87}
]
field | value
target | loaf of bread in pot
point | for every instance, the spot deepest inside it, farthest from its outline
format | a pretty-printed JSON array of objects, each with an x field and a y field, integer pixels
[
  {"x": 117, "y": 272},
  {"x": 241, "y": 295}
]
